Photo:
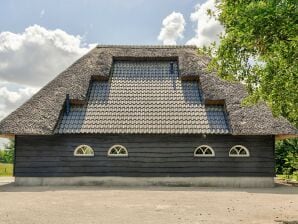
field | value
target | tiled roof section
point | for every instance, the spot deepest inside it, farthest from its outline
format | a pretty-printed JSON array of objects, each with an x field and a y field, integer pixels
[{"x": 144, "y": 97}]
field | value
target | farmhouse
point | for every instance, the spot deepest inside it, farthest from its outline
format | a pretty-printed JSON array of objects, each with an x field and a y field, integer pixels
[{"x": 143, "y": 115}]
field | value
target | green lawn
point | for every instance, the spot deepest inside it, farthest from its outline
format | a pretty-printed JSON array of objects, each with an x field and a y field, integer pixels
[
  {"x": 288, "y": 177},
  {"x": 6, "y": 169}
]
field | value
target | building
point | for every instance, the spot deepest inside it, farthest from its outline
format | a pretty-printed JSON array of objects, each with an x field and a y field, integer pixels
[{"x": 143, "y": 115}]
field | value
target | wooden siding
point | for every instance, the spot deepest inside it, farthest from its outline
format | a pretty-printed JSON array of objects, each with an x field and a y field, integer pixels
[{"x": 149, "y": 155}]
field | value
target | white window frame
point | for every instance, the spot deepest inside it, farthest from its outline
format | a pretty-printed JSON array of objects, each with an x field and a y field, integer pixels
[
  {"x": 204, "y": 151},
  {"x": 117, "y": 155},
  {"x": 75, "y": 153},
  {"x": 237, "y": 150}
]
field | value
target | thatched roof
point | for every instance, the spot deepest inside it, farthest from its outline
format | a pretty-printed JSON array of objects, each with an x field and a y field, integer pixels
[{"x": 40, "y": 114}]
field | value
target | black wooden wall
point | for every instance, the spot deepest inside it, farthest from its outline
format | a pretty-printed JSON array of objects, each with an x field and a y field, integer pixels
[{"x": 149, "y": 155}]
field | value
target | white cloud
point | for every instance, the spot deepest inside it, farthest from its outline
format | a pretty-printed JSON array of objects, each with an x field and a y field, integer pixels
[
  {"x": 3, "y": 142},
  {"x": 208, "y": 28},
  {"x": 3, "y": 114},
  {"x": 10, "y": 96},
  {"x": 173, "y": 28},
  {"x": 37, "y": 55},
  {"x": 10, "y": 99},
  {"x": 30, "y": 59}
]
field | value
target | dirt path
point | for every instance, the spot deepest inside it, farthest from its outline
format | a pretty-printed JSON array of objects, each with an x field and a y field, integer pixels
[{"x": 69, "y": 205}]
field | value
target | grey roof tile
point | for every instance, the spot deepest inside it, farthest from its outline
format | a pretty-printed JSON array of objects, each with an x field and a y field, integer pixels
[{"x": 143, "y": 97}]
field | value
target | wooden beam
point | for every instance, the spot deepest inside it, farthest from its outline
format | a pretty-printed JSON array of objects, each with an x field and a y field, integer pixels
[
  {"x": 77, "y": 102},
  {"x": 215, "y": 102},
  {"x": 7, "y": 135},
  {"x": 190, "y": 78},
  {"x": 282, "y": 137},
  {"x": 131, "y": 58},
  {"x": 99, "y": 78}
]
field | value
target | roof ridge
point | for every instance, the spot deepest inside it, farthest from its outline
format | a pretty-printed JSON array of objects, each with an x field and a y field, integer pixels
[{"x": 147, "y": 46}]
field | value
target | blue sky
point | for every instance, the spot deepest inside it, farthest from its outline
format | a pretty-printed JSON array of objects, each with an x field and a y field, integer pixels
[{"x": 105, "y": 22}]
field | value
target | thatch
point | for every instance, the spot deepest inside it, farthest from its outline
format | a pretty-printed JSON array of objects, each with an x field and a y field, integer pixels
[
  {"x": 40, "y": 114},
  {"x": 244, "y": 120}
]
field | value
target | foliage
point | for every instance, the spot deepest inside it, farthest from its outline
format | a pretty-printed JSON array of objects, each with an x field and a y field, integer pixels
[
  {"x": 6, "y": 169},
  {"x": 259, "y": 48},
  {"x": 286, "y": 156},
  {"x": 7, "y": 154},
  {"x": 295, "y": 175}
]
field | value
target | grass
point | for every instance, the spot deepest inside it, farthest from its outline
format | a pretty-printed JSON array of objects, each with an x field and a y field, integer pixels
[
  {"x": 6, "y": 169},
  {"x": 287, "y": 177}
]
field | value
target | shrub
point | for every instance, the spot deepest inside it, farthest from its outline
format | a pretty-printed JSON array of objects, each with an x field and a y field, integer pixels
[
  {"x": 7, "y": 154},
  {"x": 286, "y": 156}
]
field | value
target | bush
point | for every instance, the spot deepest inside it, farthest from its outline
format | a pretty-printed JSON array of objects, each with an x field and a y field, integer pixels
[
  {"x": 286, "y": 156},
  {"x": 7, "y": 154},
  {"x": 295, "y": 175}
]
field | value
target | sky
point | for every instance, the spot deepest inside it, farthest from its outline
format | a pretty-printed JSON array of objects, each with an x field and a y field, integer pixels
[{"x": 39, "y": 39}]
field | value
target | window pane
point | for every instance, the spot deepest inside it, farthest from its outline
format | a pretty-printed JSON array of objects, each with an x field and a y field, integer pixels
[
  {"x": 208, "y": 152},
  {"x": 113, "y": 151},
  {"x": 199, "y": 152},
  {"x": 233, "y": 152},
  {"x": 80, "y": 151},
  {"x": 242, "y": 152}
]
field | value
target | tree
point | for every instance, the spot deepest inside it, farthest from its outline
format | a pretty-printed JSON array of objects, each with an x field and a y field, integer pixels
[
  {"x": 7, "y": 154},
  {"x": 286, "y": 156},
  {"x": 259, "y": 48}
]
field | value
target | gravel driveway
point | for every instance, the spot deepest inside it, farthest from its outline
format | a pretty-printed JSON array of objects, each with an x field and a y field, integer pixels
[{"x": 73, "y": 205}]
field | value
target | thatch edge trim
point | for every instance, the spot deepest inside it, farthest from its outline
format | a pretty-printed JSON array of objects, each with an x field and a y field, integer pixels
[{"x": 148, "y": 46}]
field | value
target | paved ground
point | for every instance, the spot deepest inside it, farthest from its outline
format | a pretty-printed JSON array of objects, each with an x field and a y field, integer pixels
[{"x": 74, "y": 205}]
